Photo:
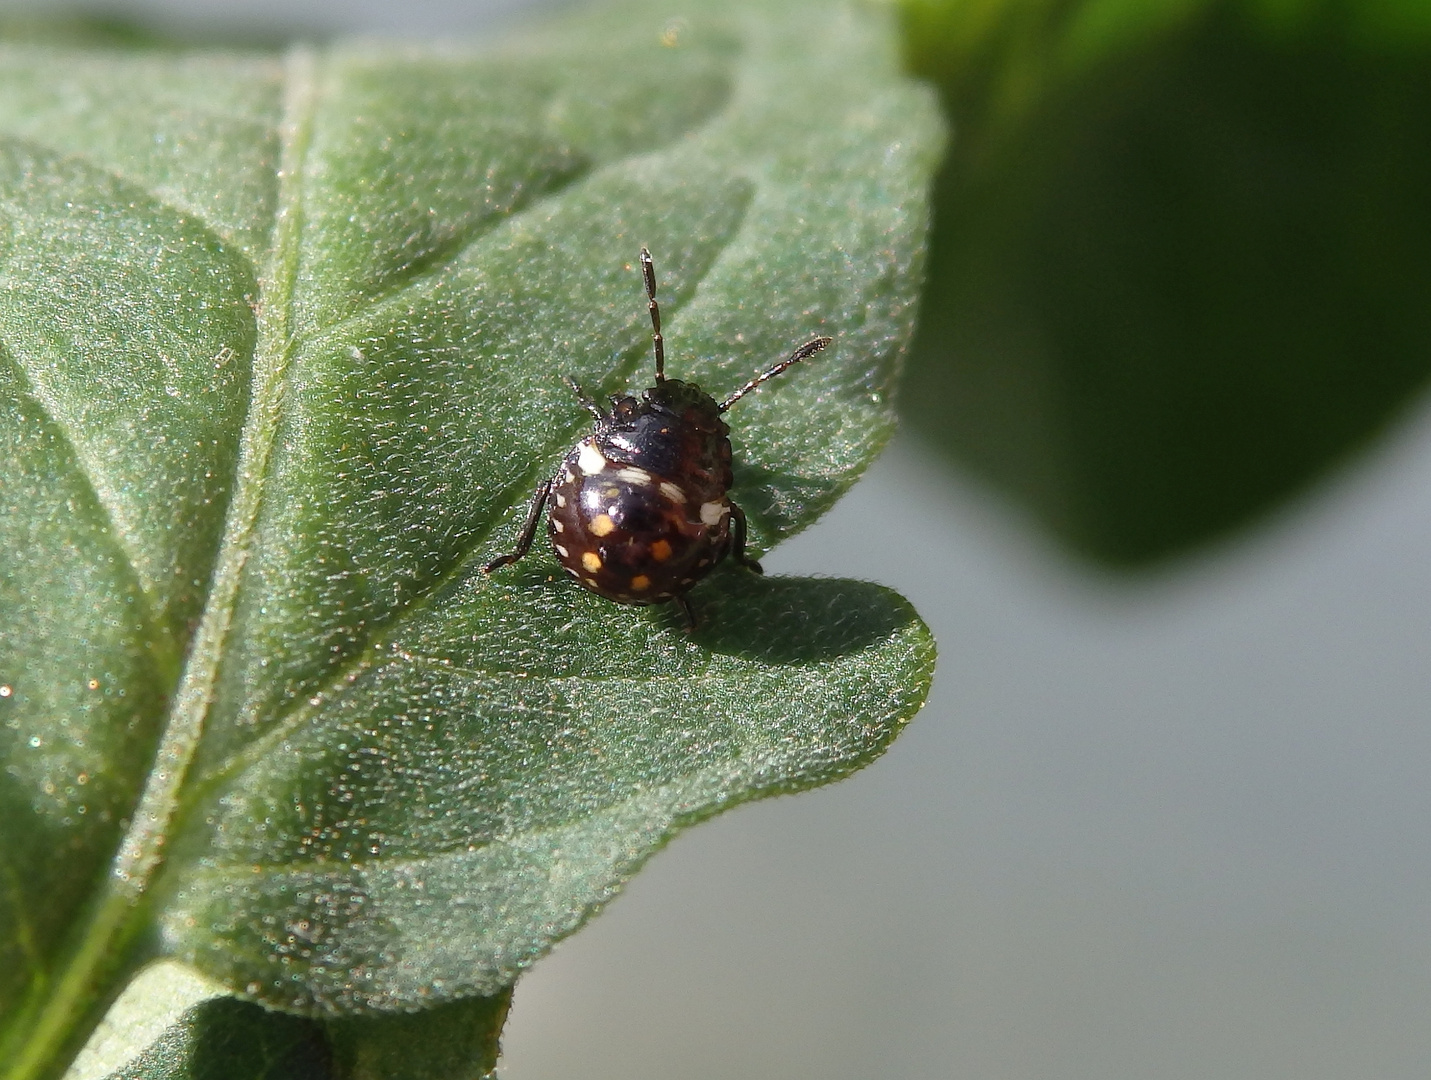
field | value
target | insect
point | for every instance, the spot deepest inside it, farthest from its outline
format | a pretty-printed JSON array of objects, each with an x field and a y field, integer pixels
[{"x": 639, "y": 508}]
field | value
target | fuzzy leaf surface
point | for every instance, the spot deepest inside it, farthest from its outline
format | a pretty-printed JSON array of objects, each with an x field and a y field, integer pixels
[{"x": 281, "y": 340}]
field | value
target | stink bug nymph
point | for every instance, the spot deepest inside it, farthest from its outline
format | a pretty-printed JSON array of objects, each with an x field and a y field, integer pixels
[{"x": 640, "y": 509}]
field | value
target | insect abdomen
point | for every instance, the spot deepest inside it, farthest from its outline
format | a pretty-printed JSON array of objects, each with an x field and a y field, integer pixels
[{"x": 629, "y": 534}]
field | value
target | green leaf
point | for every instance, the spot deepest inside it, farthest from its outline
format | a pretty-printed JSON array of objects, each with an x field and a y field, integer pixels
[
  {"x": 218, "y": 1037},
  {"x": 456, "y": 1041},
  {"x": 227, "y": 1039},
  {"x": 1179, "y": 267},
  {"x": 281, "y": 341}
]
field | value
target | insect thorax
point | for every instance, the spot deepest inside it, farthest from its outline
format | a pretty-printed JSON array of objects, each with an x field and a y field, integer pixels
[{"x": 675, "y": 432}]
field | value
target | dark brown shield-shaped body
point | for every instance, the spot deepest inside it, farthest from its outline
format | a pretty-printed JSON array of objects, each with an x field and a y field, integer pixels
[
  {"x": 639, "y": 508},
  {"x": 639, "y": 511}
]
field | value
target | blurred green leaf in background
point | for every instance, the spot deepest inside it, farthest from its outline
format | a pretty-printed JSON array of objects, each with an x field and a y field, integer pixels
[
  {"x": 281, "y": 345},
  {"x": 1182, "y": 253}
]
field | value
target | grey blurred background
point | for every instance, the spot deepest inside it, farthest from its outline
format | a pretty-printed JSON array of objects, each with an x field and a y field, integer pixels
[{"x": 1170, "y": 824}]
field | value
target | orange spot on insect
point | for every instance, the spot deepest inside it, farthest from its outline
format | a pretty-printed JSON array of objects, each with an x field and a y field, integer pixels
[
  {"x": 591, "y": 560},
  {"x": 640, "y": 582},
  {"x": 602, "y": 525},
  {"x": 660, "y": 550}
]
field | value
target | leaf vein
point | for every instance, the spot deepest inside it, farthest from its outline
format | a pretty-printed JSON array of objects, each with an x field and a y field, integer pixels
[
  {"x": 682, "y": 678},
  {"x": 245, "y": 871},
  {"x": 85, "y": 469},
  {"x": 141, "y": 188}
]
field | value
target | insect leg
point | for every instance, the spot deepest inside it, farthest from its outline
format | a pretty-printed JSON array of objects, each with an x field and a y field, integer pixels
[
  {"x": 581, "y": 396},
  {"x": 689, "y": 612},
  {"x": 737, "y": 540},
  {"x": 529, "y": 528}
]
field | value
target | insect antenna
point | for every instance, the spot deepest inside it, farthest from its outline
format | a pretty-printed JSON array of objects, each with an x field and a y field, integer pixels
[
  {"x": 648, "y": 271},
  {"x": 804, "y": 352}
]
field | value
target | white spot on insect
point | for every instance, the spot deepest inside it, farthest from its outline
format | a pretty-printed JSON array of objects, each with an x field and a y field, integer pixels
[
  {"x": 712, "y": 512},
  {"x": 633, "y": 475},
  {"x": 568, "y": 476},
  {"x": 672, "y": 491},
  {"x": 563, "y": 552},
  {"x": 557, "y": 525},
  {"x": 589, "y": 580},
  {"x": 589, "y": 459},
  {"x": 560, "y": 499}
]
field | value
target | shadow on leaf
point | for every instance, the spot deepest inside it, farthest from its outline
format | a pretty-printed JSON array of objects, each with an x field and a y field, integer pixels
[
  {"x": 227, "y": 1039},
  {"x": 791, "y": 620}
]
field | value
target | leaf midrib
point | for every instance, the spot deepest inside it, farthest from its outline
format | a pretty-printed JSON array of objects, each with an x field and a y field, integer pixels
[
  {"x": 75, "y": 1001},
  {"x": 139, "y": 855}
]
